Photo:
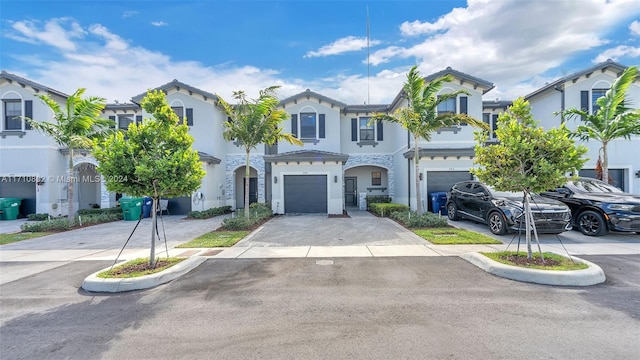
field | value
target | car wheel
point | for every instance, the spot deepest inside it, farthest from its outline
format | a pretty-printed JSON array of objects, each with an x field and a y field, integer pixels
[
  {"x": 497, "y": 223},
  {"x": 591, "y": 223},
  {"x": 452, "y": 211}
]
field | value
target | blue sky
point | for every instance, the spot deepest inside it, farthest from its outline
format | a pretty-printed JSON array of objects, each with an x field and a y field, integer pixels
[{"x": 118, "y": 49}]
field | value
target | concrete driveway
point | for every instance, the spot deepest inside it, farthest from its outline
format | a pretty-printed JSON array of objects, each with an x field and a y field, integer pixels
[{"x": 361, "y": 228}]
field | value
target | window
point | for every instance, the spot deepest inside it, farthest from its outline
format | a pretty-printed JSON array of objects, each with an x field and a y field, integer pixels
[
  {"x": 595, "y": 95},
  {"x": 13, "y": 114},
  {"x": 447, "y": 106},
  {"x": 179, "y": 110},
  {"x": 376, "y": 178},
  {"x": 366, "y": 129},
  {"x": 307, "y": 125},
  {"x": 124, "y": 121},
  {"x": 492, "y": 121}
]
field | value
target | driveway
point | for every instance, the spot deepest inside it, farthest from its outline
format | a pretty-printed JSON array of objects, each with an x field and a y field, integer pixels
[{"x": 361, "y": 228}]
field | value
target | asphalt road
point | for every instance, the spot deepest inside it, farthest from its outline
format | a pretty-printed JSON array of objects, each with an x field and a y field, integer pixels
[{"x": 346, "y": 308}]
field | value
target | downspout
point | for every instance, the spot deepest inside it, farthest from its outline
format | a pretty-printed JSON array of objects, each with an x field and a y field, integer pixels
[{"x": 557, "y": 88}]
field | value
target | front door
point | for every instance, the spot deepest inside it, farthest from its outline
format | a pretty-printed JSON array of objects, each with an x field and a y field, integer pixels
[
  {"x": 253, "y": 189},
  {"x": 351, "y": 191}
]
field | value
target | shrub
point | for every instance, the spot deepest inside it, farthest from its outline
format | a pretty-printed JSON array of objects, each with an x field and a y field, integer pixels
[
  {"x": 375, "y": 199},
  {"x": 411, "y": 219},
  {"x": 62, "y": 224},
  {"x": 385, "y": 209},
  {"x": 113, "y": 210},
  {"x": 38, "y": 217},
  {"x": 258, "y": 212},
  {"x": 209, "y": 213}
]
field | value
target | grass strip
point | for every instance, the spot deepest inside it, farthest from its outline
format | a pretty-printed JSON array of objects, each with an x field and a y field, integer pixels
[
  {"x": 139, "y": 267},
  {"x": 215, "y": 239},
  {"x": 559, "y": 262},
  {"x": 453, "y": 236},
  {"x": 11, "y": 238}
]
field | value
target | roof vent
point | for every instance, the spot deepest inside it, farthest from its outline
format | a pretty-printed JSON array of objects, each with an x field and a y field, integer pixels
[{"x": 449, "y": 68}]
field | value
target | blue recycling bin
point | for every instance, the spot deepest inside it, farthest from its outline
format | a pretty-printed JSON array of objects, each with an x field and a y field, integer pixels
[
  {"x": 439, "y": 202},
  {"x": 147, "y": 204}
]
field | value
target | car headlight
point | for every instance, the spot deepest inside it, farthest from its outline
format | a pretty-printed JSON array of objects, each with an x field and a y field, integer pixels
[{"x": 620, "y": 207}]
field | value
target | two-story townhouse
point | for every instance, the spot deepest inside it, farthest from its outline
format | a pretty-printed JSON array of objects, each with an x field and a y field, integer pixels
[
  {"x": 448, "y": 156},
  {"x": 32, "y": 165},
  {"x": 580, "y": 90}
]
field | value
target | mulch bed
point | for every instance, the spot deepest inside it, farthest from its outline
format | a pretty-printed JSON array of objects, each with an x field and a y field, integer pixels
[
  {"x": 140, "y": 267},
  {"x": 524, "y": 261}
]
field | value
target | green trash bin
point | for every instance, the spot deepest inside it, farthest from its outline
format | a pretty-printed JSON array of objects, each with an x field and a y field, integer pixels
[
  {"x": 131, "y": 208},
  {"x": 9, "y": 208}
]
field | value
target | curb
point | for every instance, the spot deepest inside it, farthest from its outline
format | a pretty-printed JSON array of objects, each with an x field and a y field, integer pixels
[
  {"x": 590, "y": 276},
  {"x": 95, "y": 284}
]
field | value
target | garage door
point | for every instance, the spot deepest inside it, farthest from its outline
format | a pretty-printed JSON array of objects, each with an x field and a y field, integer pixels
[
  {"x": 17, "y": 188},
  {"x": 616, "y": 176},
  {"x": 442, "y": 181},
  {"x": 179, "y": 205},
  {"x": 305, "y": 194}
]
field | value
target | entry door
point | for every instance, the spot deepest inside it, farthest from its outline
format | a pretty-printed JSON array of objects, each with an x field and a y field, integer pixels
[
  {"x": 253, "y": 189},
  {"x": 351, "y": 191}
]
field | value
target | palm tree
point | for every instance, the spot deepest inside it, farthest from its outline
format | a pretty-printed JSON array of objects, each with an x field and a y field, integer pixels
[
  {"x": 421, "y": 116},
  {"x": 75, "y": 127},
  {"x": 254, "y": 122},
  {"x": 614, "y": 119}
]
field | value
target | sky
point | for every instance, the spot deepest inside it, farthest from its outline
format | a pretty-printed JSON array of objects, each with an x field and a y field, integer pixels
[{"x": 119, "y": 49}]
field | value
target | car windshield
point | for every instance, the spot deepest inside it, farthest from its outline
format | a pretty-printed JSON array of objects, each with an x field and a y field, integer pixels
[
  {"x": 505, "y": 194},
  {"x": 592, "y": 186}
]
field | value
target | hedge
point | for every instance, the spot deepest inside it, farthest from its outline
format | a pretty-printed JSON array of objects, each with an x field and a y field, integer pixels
[
  {"x": 385, "y": 209},
  {"x": 411, "y": 219},
  {"x": 38, "y": 217},
  {"x": 62, "y": 224},
  {"x": 112, "y": 210},
  {"x": 209, "y": 213},
  {"x": 375, "y": 199},
  {"x": 258, "y": 213}
]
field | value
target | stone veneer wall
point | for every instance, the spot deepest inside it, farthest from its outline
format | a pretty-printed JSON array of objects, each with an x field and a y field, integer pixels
[
  {"x": 384, "y": 161},
  {"x": 232, "y": 163}
]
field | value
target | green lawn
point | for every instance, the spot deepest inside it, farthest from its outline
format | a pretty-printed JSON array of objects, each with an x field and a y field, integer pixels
[
  {"x": 564, "y": 263},
  {"x": 453, "y": 236},
  {"x": 11, "y": 238},
  {"x": 215, "y": 239},
  {"x": 139, "y": 267}
]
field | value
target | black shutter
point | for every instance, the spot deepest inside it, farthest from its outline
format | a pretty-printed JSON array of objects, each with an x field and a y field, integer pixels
[
  {"x": 464, "y": 107},
  {"x": 584, "y": 101},
  {"x": 294, "y": 125},
  {"x": 379, "y": 135},
  {"x": 354, "y": 129},
  {"x": 113, "y": 124},
  {"x": 321, "y": 126},
  {"x": 138, "y": 119},
  {"x": 494, "y": 127},
  {"x": 189, "y": 116},
  {"x": 28, "y": 112}
]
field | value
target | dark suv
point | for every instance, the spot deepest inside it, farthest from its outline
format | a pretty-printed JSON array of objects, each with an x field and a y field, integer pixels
[
  {"x": 502, "y": 211},
  {"x": 598, "y": 207}
]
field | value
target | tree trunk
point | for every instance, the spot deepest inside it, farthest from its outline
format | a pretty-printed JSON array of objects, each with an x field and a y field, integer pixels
[
  {"x": 605, "y": 163},
  {"x": 247, "y": 174},
  {"x": 154, "y": 223},
  {"x": 527, "y": 226},
  {"x": 416, "y": 158},
  {"x": 72, "y": 214}
]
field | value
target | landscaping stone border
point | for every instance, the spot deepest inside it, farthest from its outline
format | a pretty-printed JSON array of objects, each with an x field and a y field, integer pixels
[
  {"x": 590, "y": 276},
  {"x": 112, "y": 285}
]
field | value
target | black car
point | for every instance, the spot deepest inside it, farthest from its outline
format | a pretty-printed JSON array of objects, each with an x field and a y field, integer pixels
[
  {"x": 502, "y": 211},
  {"x": 598, "y": 207}
]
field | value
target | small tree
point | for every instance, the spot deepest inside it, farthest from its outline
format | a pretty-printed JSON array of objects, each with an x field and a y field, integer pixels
[
  {"x": 156, "y": 159},
  {"x": 76, "y": 126},
  {"x": 254, "y": 122},
  {"x": 614, "y": 119},
  {"x": 526, "y": 158},
  {"x": 421, "y": 117}
]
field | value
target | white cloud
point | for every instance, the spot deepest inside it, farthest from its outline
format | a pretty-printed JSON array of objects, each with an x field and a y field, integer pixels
[
  {"x": 634, "y": 27},
  {"x": 54, "y": 33},
  {"x": 129, "y": 13},
  {"x": 159, "y": 23},
  {"x": 341, "y": 46},
  {"x": 617, "y": 52}
]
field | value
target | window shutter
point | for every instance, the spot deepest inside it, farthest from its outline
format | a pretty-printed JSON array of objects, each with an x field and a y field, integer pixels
[
  {"x": 113, "y": 124},
  {"x": 494, "y": 126},
  {"x": 584, "y": 101},
  {"x": 321, "y": 126},
  {"x": 28, "y": 112},
  {"x": 294, "y": 125},
  {"x": 379, "y": 135},
  {"x": 463, "y": 105},
  {"x": 190, "y": 116},
  {"x": 354, "y": 129},
  {"x": 138, "y": 119}
]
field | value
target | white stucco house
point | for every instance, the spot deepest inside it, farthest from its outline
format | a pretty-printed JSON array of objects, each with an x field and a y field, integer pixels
[{"x": 345, "y": 157}]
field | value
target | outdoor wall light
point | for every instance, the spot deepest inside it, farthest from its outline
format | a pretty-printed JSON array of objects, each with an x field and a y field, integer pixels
[
  {"x": 638, "y": 174},
  {"x": 420, "y": 177},
  {"x": 275, "y": 179},
  {"x": 335, "y": 179}
]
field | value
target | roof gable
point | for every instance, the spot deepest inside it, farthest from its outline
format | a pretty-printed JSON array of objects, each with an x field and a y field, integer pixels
[
  {"x": 308, "y": 94},
  {"x": 34, "y": 85},
  {"x": 179, "y": 85}
]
